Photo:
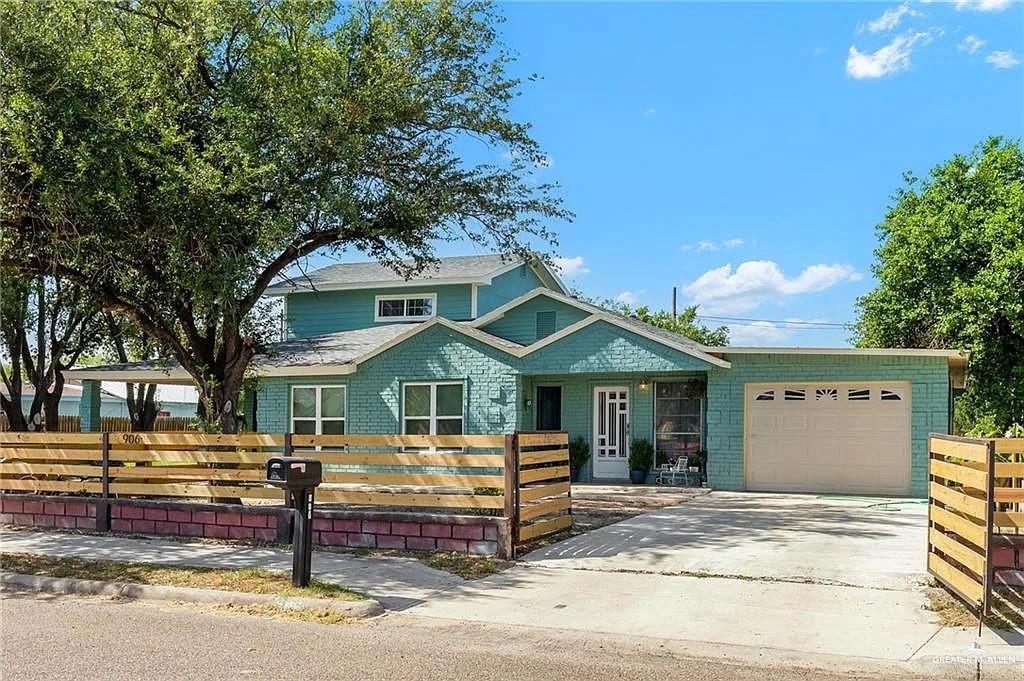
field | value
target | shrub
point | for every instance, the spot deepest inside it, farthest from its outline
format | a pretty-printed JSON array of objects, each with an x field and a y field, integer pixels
[
  {"x": 641, "y": 455},
  {"x": 579, "y": 453}
]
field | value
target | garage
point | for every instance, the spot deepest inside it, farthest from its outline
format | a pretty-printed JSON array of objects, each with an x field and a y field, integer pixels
[{"x": 842, "y": 438}]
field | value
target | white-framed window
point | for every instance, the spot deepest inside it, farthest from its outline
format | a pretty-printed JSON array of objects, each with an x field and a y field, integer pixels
[
  {"x": 319, "y": 409},
  {"x": 404, "y": 308},
  {"x": 433, "y": 408},
  {"x": 677, "y": 421}
]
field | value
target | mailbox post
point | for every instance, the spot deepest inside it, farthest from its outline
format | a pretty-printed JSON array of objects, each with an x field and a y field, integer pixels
[{"x": 298, "y": 477}]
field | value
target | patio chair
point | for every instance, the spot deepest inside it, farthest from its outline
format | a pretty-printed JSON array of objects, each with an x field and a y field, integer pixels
[{"x": 670, "y": 472}]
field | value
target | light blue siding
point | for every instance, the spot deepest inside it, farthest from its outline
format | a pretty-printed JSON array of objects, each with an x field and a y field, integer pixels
[
  {"x": 319, "y": 312},
  {"x": 929, "y": 378},
  {"x": 506, "y": 287},
  {"x": 520, "y": 323}
]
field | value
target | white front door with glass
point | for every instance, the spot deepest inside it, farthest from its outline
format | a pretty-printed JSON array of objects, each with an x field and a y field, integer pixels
[
  {"x": 611, "y": 432},
  {"x": 318, "y": 409}
]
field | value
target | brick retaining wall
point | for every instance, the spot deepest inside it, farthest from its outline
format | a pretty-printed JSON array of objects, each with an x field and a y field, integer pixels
[{"x": 477, "y": 535}]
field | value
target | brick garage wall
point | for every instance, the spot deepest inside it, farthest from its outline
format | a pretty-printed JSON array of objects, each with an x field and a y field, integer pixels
[
  {"x": 929, "y": 405},
  {"x": 476, "y": 535}
]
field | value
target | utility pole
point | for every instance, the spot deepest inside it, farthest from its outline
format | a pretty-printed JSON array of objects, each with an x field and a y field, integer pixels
[{"x": 673, "y": 302}]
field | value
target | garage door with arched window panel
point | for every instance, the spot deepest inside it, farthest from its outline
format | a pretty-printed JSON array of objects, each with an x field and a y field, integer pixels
[{"x": 841, "y": 438}]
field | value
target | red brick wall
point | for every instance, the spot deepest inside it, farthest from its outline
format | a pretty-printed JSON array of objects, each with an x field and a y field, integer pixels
[
  {"x": 64, "y": 513},
  {"x": 477, "y": 535},
  {"x": 1008, "y": 560}
]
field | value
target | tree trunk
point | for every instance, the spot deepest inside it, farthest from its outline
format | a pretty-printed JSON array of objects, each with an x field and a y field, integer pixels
[
  {"x": 51, "y": 403},
  {"x": 16, "y": 420},
  {"x": 142, "y": 411}
]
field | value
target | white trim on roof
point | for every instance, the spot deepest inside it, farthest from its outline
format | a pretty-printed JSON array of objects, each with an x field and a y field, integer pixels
[
  {"x": 926, "y": 352},
  {"x": 500, "y": 311}
]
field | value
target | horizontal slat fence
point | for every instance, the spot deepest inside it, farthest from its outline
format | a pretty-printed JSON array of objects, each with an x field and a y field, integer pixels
[
  {"x": 71, "y": 423},
  {"x": 523, "y": 477},
  {"x": 975, "y": 502},
  {"x": 543, "y": 491}
]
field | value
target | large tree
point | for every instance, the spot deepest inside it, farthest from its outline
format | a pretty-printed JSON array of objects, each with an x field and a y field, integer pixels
[
  {"x": 177, "y": 156},
  {"x": 950, "y": 272},
  {"x": 46, "y": 324}
]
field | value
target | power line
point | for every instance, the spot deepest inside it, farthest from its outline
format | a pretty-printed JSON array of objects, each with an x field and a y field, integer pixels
[{"x": 792, "y": 323}]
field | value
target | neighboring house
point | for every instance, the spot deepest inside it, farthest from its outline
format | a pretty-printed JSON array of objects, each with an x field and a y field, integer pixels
[
  {"x": 486, "y": 345},
  {"x": 112, "y": 400}
]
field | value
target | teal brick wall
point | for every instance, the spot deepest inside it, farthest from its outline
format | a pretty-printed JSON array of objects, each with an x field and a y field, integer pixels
[
  {"x": 315, "y": 313},
  {"x": 928, "y": 376},
  {"x": 520, "y": 323},
  {"x": 89, "y": 407},
  {"x": 506, "y": 287}
]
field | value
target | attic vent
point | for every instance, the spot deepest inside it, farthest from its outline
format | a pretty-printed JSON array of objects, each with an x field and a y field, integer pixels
[{"x": 545, "y": 324}]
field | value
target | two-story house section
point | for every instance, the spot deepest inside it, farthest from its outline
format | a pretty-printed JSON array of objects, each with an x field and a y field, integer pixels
[
  {"x": 344, "y": 297},
  {"x": 487, "y": 345}
]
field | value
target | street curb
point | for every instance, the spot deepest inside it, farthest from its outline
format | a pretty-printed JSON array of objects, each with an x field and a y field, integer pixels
[{"x": 150, "y": 592}]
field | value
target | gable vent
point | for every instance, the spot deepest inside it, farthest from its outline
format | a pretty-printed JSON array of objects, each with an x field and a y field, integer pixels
[{"x": 545, "y": 324}]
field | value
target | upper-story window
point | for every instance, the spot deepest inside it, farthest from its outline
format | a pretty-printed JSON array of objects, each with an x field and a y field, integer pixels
[{"x": 405, "y": 308}]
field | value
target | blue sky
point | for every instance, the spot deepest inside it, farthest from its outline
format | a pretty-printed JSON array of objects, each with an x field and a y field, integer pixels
[{"x": 745, "y": 152}]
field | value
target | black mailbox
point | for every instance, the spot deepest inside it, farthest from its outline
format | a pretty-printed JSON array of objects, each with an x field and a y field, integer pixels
[{"x": 294, "y": 472}]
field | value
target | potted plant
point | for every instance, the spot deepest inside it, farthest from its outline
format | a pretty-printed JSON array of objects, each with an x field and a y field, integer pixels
[
  {"x": 700, "y": 459},
  {"x": 579, "y": 454},
  {"x": 641, "y": 457}
]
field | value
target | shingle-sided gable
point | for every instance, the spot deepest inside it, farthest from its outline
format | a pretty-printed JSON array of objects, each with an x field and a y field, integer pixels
[
  {"x": 520, "y": 323},
  {"x": 604, "y": 347}
]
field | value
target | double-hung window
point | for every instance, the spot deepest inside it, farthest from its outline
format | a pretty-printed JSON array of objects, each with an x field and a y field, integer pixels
[
  {"x": 318, "y": 409},
  {"x": 405, "y": 308},
  {"x": 432, "y": 408}
]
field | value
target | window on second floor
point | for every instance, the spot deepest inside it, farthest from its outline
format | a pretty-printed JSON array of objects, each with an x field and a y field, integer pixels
[{"x": 405, "y": 308}]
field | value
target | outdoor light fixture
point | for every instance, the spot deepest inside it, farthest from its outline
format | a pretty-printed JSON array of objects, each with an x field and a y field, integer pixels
[
  {"x": 644, "y": 385},
  {"x": 528, "y": 402}
]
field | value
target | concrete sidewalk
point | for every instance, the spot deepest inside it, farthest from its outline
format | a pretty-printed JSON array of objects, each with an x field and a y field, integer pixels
[{"x": 398, "y": 582}]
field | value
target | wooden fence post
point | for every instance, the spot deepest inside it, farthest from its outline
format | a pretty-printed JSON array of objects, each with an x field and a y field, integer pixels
[
  {"x": 511, "y": 538},
  {"x": 103, "y": 506},
  {"x": 990, "y": 497}
]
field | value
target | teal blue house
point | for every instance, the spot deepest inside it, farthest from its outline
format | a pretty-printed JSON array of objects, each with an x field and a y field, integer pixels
[{"x": 486, "y": 344}]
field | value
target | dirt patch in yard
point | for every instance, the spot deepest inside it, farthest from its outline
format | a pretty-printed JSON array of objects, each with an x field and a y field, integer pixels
[
  {"x": 1007, "y": 609},
  {"x": 248, "y": 580},
  {"x": 595, "y": 506}
]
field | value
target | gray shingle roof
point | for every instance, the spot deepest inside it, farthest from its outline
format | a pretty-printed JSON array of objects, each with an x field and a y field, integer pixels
[
  {"x": 463, "y": 267},
  {"x": 341, "y": 347}
]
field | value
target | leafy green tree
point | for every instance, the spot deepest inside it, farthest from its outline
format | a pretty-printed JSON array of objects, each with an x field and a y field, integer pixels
[
  {"x": 46, "y": 324},
  {"x": 951, "y": 274},
  {"x": 685, "y": 323},
  {"x": 177, "y": 157}
]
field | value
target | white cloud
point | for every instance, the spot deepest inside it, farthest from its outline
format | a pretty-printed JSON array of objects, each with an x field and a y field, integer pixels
[
  {"x": 1002, "y": 59},
  {"x": 723, "y": 290},
  {"x": 982, "y": 5},
  {"x": 650, "y": 111},
  {"x": 971, "y": 44},
  {"x": 890, "y": 19},
  {"x": 888, "y": 59},
  {"x": 706, "y": 245},
  {"x": 629, "y": 297},
  {"x": 757, "y": 333},
  {"x": 570, "y": 267}
]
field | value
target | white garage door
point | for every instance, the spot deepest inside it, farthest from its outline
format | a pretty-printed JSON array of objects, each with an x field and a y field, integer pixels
[{"x": 847, "y": 438}]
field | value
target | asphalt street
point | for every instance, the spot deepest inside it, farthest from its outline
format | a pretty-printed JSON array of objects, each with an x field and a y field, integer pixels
[{"x": 48, "y": 637}]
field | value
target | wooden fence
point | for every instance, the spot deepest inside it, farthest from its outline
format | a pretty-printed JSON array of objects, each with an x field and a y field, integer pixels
[
  {"x": 71, "y": 423},
  {"x": 524, "y": 476},
  {"x": 975, "y": 499}
]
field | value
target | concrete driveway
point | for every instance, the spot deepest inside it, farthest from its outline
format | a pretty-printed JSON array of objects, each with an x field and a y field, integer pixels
[
  {"x": 813, "y": 576},
  {"x": 797, "y": 538}
]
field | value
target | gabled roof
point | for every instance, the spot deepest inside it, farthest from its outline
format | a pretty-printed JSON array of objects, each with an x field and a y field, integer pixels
[
  {"x": 465, "y": 269},
  {"x": 672, "y": 340}
]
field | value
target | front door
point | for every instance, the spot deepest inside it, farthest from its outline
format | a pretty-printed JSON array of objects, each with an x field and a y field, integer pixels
[
  {"x": 611, "y": 432},
  {"x": 549, "y": 407}
]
